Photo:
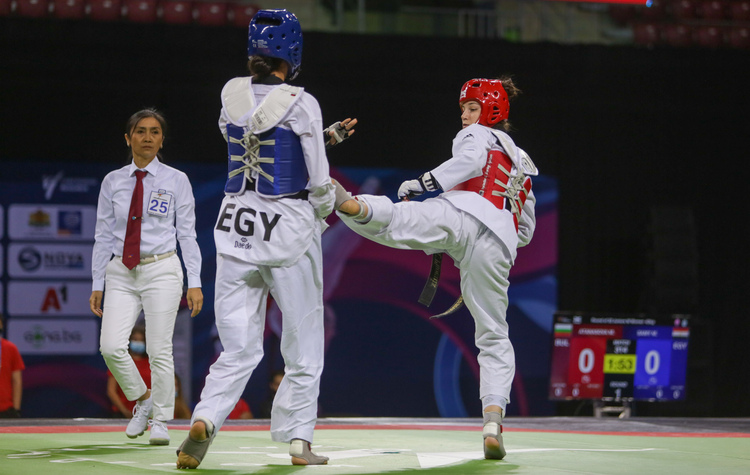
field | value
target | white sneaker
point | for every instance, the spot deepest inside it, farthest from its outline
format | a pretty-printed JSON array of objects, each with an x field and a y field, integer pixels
[
  {"x": 139, "y": 422},
  {"x": 159, "y": 433}
]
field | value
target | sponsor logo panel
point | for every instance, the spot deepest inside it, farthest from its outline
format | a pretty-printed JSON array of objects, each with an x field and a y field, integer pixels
[
  {"x": 67, "y": 261},
  {"x": 54, "y": 336},
  {"x": 56, "y": 222},
  {"x": 59, "y": 183},
  {"x": 41, "y": 299}
]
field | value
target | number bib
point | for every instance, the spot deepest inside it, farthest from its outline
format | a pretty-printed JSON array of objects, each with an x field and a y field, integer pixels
[{"x": 159, "y": 203}]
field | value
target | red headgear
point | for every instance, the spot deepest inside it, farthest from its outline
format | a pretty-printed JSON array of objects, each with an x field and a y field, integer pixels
[{"x": 492, "y": 96}]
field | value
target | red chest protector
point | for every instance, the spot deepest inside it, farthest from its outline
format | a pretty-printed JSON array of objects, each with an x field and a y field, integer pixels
[{"x": 497, "y": 185}]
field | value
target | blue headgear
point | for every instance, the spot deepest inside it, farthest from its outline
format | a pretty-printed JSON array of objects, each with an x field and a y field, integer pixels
[{"x": 276, "y": 33}]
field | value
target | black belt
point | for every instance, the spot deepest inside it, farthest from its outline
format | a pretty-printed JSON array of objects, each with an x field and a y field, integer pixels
[
  {"x": 300, "y": 195},
  {"x": 430, "y": 287}
]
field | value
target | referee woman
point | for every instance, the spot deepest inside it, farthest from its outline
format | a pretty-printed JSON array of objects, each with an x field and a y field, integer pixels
[{"x": 144, "y": 209}]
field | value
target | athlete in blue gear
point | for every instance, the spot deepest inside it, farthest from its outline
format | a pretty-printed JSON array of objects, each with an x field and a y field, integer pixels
[{"x": 268, "y": 239}]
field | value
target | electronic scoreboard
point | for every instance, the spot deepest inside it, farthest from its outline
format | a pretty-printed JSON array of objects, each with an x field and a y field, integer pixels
[{"x": 600, "y": 356}]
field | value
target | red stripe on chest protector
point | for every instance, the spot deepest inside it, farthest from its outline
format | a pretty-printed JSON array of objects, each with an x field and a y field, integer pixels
[{"x": 487, "y": 182}]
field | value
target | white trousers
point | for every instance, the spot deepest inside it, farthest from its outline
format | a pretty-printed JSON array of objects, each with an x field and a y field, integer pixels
[
  {"x": 240, "y": 307},
  {"x": 435, "y": 225},
  {"x": 156, "y": 289}
]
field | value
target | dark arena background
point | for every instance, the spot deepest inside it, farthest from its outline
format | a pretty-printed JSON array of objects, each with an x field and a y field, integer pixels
[{"x": 642, "y": 207}]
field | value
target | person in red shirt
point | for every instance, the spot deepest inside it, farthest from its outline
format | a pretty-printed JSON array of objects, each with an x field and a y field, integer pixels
[
  {"x": 11, "y": 383},
  {"x": 241, "y": 411},
  {"x": 121, "y": 407}
]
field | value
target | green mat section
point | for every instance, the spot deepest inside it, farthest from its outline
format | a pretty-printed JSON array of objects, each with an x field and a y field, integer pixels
[{"x": 379, "y": 451}]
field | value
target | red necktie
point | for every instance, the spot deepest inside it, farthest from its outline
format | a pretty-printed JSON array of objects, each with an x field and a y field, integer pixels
[{"x": 131, "y": 251}]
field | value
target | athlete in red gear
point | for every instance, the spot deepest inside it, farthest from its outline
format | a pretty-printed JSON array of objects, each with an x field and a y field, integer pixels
[{"x": 484, "y": 214}]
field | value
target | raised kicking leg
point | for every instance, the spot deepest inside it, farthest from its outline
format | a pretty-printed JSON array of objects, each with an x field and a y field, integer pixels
[{"x": 348, "y": 205}]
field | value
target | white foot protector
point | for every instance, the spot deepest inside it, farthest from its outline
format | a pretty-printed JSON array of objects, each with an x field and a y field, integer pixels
[
  {"x": 302, "y": 454},
  {"x": 196, "y": 449},
  {"x": 493, "y": 436}
]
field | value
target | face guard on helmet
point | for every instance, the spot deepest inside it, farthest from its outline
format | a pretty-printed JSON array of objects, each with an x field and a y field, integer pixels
[
  {"x": 277, "y": 34},
  {"x": 491, "y": 95}
]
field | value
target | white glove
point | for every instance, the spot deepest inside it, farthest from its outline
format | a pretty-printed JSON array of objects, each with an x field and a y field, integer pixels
[{"x": 411, "y": 188}]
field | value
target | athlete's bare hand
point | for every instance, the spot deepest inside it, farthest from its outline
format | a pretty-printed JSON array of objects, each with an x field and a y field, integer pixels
[{"x": 348, "y": 125}]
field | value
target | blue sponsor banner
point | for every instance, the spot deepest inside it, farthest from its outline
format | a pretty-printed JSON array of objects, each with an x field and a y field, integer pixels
[{"x": 380, "y": 344}]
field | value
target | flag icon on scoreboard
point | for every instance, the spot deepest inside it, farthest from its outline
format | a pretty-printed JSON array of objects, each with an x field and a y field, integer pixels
[
  {"x": 563, "y": 330},
  {"x": 680, "y": 332}
]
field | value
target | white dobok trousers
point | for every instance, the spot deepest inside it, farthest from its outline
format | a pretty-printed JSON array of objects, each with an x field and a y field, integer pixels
[
  {"x": 155, "y": 288},
  {"x": 433, "y": 226},
  {"x": 240, "y": 306}
]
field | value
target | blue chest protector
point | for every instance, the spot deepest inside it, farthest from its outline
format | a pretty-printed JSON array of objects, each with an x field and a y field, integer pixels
[
  {"x": 268, "y": 157},
  {"x": 276, "y": 155}
]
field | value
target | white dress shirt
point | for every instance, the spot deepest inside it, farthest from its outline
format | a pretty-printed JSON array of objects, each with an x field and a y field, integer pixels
[{"x": 168, "y": 217}]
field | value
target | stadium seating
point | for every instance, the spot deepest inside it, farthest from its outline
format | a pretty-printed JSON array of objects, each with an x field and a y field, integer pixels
[
  {"x": 646, "y": 34},
  {"x": 32, "y": 8},
  {"x": 740, "y": 10},
  {"x": 74, "y": 9},
  {"x": 177, "y": 11},
  {"x": 683, "y": 9},
  {"x": 685, "y": 23},
  {"x": 712, "y": 9},
  {"x": 678, "y": 35},
  {"x": 739, "y": 37},
  {"x": 140, "y": 11},
  {"x": 675, "y": 23},
  {"x": 211, "y": 13},
  {"x": 240, "y": 14},
  {"x": 709, "y": 36},
  {"x": 657, "y": 11},
  {"x": 5, "y": 7},
  {"x": 105, "y": 10}
]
